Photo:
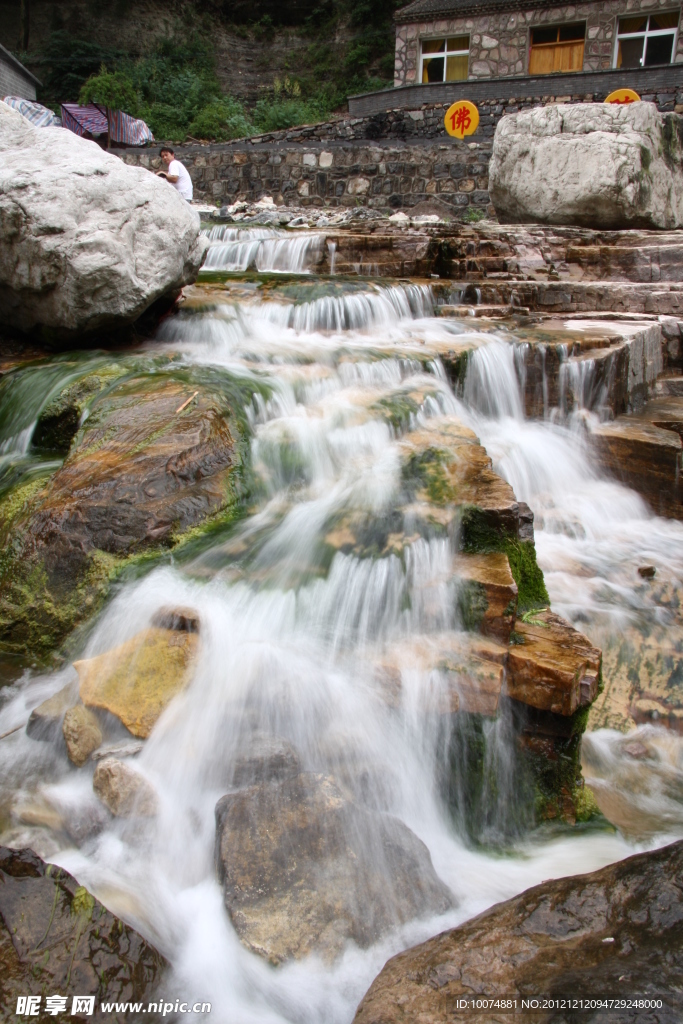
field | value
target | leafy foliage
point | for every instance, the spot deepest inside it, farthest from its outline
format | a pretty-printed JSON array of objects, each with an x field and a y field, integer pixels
[{"x": 174, "y": 86}]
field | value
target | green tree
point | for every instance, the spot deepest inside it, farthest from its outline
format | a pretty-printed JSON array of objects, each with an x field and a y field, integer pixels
[{"x": 111, "y": 89}]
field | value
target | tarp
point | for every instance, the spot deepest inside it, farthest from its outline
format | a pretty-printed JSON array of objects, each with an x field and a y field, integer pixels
[
  {"x": 90, "y": 120},
  {"x": 36, "y": 113},
  {"x": 97, "y": 120},
  {"x": 126, "y": 129}
]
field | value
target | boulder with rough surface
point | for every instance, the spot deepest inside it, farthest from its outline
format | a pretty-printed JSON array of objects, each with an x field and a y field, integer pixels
[
  {"x": 617, "y": 932},
  {"x": 598, "y": 165},
  {"x": 57, "y": 938},
  {"x": 87, "y": 242},
  {"x": 305, "y": 870}
]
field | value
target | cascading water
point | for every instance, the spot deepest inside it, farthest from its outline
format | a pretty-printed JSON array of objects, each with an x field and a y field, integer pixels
[
  {"x": 264, "y": 249},
  {"x": 297, "y": 622}
]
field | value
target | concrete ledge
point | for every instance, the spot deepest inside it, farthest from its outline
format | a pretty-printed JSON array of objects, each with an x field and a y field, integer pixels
[{"x": 597, "y": 84}]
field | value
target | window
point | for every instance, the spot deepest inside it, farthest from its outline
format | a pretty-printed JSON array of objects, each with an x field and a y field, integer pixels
[
  {"x": 557, "y": 48},
  {"x": 445, "y": 60},
  {"x": 643, "y": 41}
]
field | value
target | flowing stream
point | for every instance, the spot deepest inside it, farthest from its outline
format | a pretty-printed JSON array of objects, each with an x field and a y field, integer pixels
[{"x": 293, "y": 628}]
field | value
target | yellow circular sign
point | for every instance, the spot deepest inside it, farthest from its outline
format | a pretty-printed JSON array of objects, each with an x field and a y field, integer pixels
[
  {"x": 623, "y": 96},
  {"x": 462, "y": 118}
]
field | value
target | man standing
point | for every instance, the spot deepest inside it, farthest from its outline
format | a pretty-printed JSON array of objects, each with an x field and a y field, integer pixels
[{"x": 176, "y": 173}]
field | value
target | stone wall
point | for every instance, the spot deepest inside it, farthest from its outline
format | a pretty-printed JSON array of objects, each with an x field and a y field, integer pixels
[
  {"x": 379, "y": 175},
  {"x": 499, "y": 42}
]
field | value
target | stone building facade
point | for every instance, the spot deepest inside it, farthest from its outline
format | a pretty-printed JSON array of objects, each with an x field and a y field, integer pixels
[{"x": 499, "y": 33}]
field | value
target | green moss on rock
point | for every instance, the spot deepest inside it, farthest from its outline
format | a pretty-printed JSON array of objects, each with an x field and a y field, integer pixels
[{"x": 478, "y": 537}]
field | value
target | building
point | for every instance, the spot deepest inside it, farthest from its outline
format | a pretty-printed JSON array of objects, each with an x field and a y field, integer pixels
[
  {"x": 458, "y": 40},
  {"x": 15, "y": 79}
]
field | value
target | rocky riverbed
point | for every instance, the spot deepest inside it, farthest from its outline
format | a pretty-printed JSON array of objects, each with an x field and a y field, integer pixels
[{"x": 308, "y": 600}]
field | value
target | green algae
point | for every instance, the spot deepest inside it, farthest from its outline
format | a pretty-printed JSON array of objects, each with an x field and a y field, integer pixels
[{"x": 479, "y": 537}]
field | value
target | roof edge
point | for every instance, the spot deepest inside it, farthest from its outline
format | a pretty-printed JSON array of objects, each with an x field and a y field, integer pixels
[
  {"x": 17, "y": 64},
  {"x": 464, "y": 8}
]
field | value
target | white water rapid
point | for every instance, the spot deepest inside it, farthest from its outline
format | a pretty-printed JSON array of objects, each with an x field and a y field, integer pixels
[{"x": 292, "y": 628}]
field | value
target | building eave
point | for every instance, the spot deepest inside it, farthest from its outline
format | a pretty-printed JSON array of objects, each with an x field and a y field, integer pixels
[
  {"x": 415, "y": 13},
  {"x": 11, "y": 59}
]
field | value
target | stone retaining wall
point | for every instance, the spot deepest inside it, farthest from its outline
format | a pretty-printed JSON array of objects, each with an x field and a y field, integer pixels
[{"x": 378, "y": 175}]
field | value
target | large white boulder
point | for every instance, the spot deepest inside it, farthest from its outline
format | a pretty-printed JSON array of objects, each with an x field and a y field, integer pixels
[
  {"x": 86, "y": 242},
  {"x": 596, "y": 165}
]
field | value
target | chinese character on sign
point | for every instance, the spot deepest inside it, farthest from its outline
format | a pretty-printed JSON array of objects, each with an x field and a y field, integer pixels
[
  {"x": 83, "y": 1004},
  {"x": 462, "y": 118},
  {"x": 623, "y": 96},
  {"x": 55, "y": 1005},
  {"x": 28, "y": 1006}
]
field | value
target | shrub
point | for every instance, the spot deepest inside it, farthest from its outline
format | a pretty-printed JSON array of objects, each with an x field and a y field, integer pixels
[{"x": 111, "y": 89}]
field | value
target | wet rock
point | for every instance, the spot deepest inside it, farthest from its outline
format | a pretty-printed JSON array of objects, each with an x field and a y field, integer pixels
[
  {"x": 184, "y": 619},
  {"x": 56, "y": 937},
  {"x": 599, "y": 165},
  {"x": 82, "y": 734},
  {"x": 487, "y": 597},
  {"x": 648, "y": 572},
  {"x": 645, "y": 456},
  {"x": 124, "y": 790},
  {"x": 465, "y": 672},
  {"x": 45, "y": 721},
  {"x": 127, "y": 748},
  {"x": 551, "y": 666},
  {"x": 305, "y": 871},
  {"x": 137, "y": 680},
  {"x": 617, "y": 930},
  {"x": 265, "y": 759},
  {"x": 103, "y": 240},
  {"x": 637, "y": 780},
  {"x": 144, "y": 469}
]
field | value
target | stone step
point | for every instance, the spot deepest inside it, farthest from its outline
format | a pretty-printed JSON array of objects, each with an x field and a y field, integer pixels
[{"x": 645, "y": 452}]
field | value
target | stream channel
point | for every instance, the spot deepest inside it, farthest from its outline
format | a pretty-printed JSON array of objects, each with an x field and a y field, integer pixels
[{"x": 340, "y": 371}]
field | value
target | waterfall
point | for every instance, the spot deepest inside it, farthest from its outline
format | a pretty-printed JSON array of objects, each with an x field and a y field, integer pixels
[
  {"x": 237, "y": 250},
  {"x": 329, "y": 616}
]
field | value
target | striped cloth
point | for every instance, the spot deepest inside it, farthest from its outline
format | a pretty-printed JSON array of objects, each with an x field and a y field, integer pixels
[
  {"x": 126, "y": 129},
  {"x": 36, "y": 113},
  {"x": 90, "y": 120}
]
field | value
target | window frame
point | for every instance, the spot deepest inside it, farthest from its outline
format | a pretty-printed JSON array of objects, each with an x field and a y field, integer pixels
[
  {"x": 645, "y": 35},
  {"x": 445, "y": 55},
  {"x": 557, "y": 25}
]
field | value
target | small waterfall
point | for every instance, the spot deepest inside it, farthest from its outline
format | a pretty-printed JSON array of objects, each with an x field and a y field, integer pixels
[
  {"x": 491, "y": 384},
  {"x": 264, "y": 250},
  {"x": 332, "y": 250},
  {"x": 354, "y": 311}
]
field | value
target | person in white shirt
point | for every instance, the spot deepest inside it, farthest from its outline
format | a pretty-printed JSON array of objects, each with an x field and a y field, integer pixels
[{"x": 176, "y": 173}]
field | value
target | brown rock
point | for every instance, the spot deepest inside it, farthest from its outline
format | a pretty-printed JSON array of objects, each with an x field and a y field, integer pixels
[
  {"x": 144, "y": 468},
  {"x": 618, "y": 931},
  {"x": 466, "y": 671},
  {"x": 45, "y": 721},
  {"x": 124, "y": 790},
  {"x": 488, "y": 596},
  {"x": 82, "y": 734},
  {"x": 646, "y": 458},
  {"x": 137, "y": 680},
  {"x": 56, "y": 937},
  {"x": 305, "y": 870},
  {"x": 552, "y": 667}
]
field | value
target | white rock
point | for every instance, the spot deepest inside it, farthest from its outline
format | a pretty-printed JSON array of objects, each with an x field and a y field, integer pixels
[
  {"x": 596, "y": 165},
  {"x": 399, "y": 218},
  {"x": 87, "y": 241}
]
